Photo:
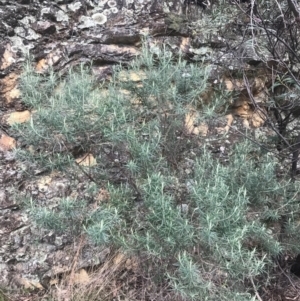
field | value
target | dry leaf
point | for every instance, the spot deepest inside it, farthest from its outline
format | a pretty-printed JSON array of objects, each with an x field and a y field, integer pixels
[
  {"x": 17, "y": 117},
  {"x": 81, "y": 277}
]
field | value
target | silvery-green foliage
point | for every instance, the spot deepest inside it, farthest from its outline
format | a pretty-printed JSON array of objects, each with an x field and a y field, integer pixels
[{"x": 223, "y": 237}]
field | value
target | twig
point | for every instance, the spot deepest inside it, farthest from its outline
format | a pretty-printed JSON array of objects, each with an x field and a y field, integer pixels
[
  {"x": 287, "y": 276},
  {"x": 92, "y": 179},
  {"x": 262, "y": 111},
  {"x": 255, "y": 290},
  {"x": 255, "y": 142}
]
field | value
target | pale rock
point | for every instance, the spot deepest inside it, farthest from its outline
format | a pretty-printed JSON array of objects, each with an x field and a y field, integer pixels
[{"x": 7, "y": 143}]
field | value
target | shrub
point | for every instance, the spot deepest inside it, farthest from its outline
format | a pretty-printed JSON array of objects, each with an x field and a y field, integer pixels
[{"x": 206, "y": 234}]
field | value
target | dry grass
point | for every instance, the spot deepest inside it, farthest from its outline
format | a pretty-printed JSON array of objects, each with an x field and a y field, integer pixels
[{"x": 120, "y": 277}]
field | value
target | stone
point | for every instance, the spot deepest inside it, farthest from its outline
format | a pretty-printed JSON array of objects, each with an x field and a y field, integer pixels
[
  {"x": 7, "y": 143},
  {"x": 44, "y": 27},
  {"x": 6, "y": 57},
  {"x": 192, "y": 126},
  {"x": 9, "y": 88}
]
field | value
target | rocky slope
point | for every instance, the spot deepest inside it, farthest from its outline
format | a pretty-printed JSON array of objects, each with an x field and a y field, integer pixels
[{"x": 101, "y": 33}]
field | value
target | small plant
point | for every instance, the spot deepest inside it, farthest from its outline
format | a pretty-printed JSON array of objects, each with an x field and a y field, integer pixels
[
  {"x": 67, "y": 117},
  {"x": 69, "y": 216}
]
